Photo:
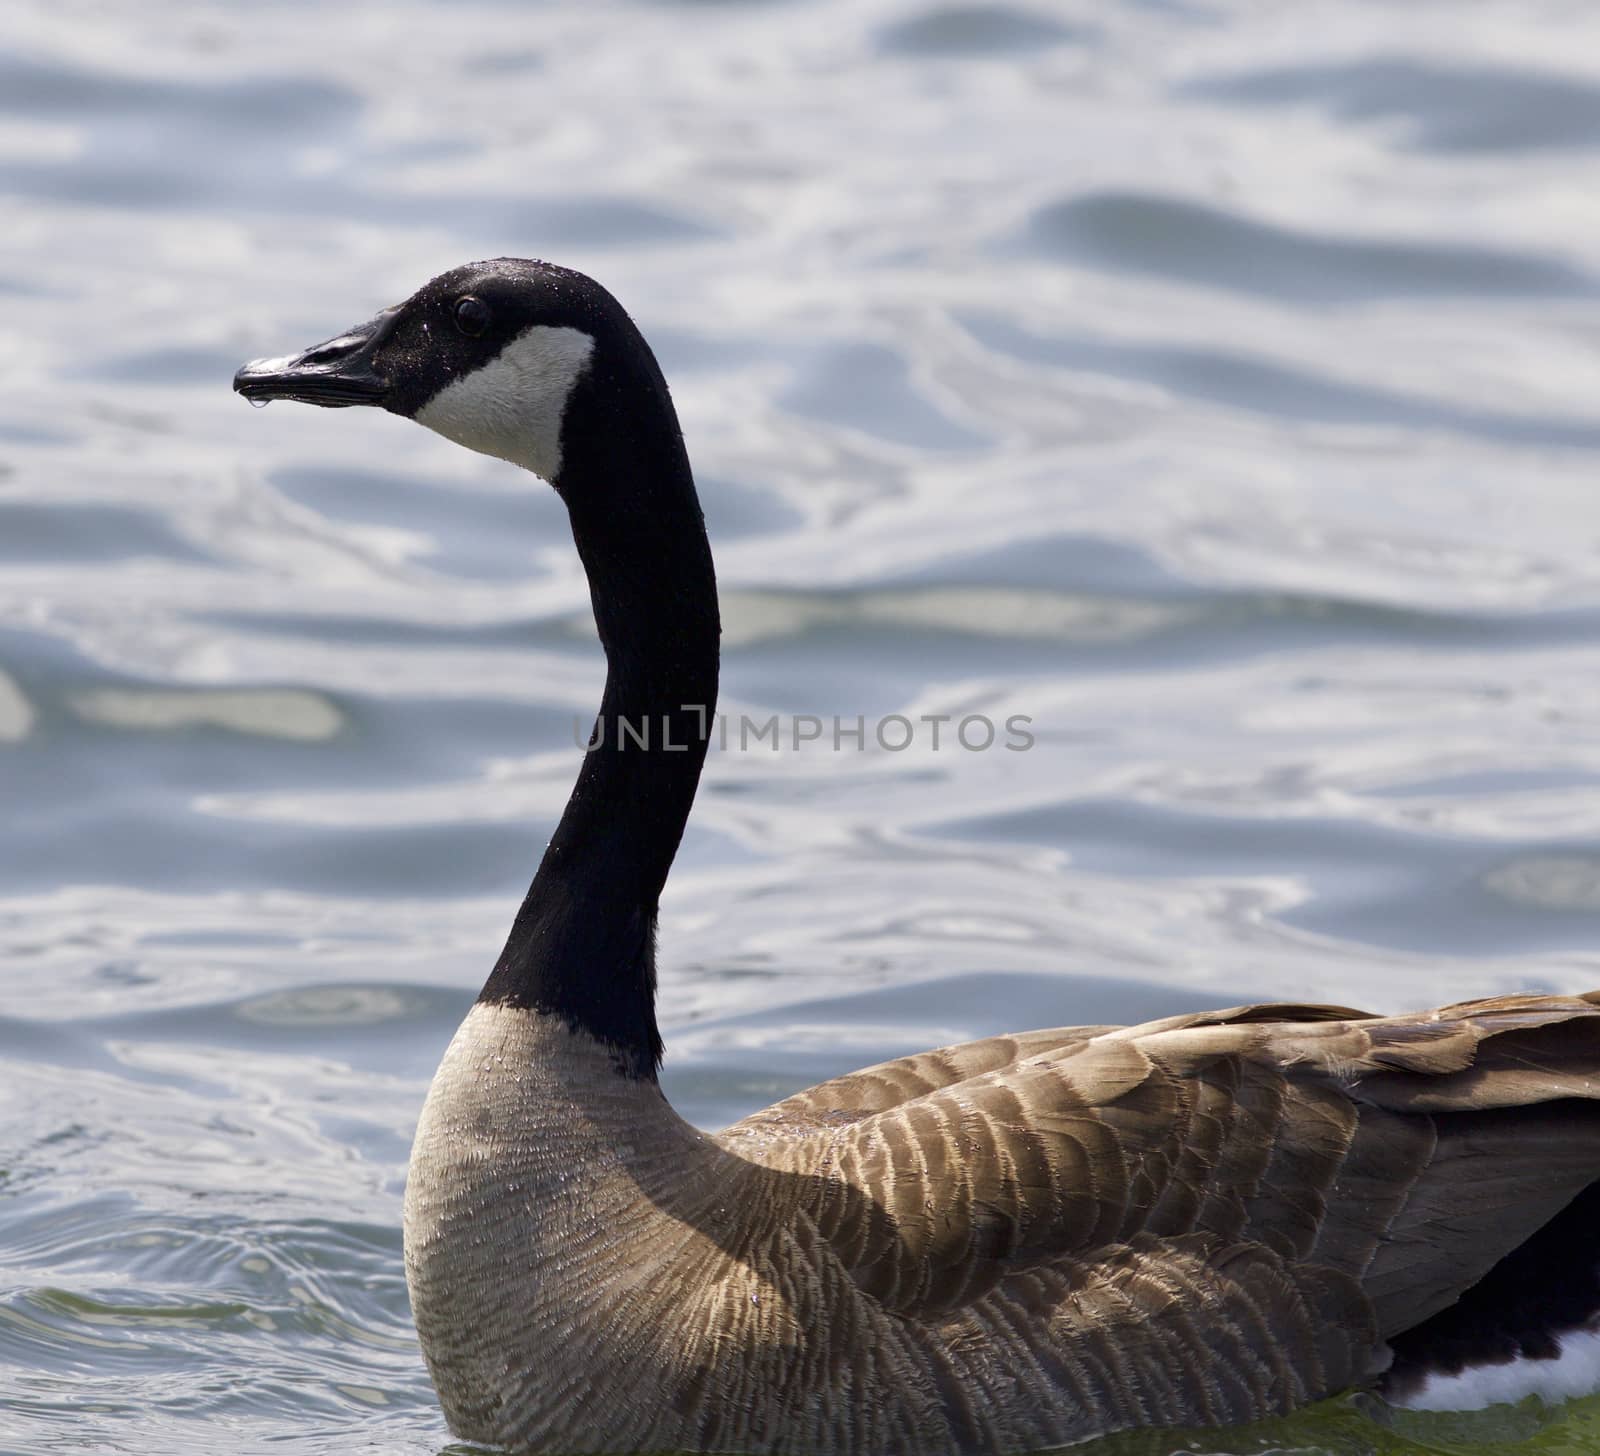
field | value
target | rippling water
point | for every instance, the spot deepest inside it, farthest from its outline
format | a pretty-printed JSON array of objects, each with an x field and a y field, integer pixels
[{"x": 1213, "y": 383}]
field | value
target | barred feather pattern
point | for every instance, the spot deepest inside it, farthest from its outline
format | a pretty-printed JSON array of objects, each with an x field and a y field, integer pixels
[{"x": 1002, "y": 1246}]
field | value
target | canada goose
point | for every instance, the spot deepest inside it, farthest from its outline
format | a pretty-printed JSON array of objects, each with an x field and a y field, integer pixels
[{"x": 1001, "y": 1246}]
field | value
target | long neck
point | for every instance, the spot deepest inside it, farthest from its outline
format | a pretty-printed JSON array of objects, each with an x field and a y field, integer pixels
[{"x": 583, "y": 944}]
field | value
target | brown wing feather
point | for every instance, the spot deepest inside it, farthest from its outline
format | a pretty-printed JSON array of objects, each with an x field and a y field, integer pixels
[
  {"x": 1387, "y": 1159},
  {"x": 877, "y": 1088},
  {"x": 859, "y": 1094}
]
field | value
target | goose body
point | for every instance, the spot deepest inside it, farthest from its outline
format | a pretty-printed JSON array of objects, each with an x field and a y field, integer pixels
[{"x": 1000, "y": 1246}]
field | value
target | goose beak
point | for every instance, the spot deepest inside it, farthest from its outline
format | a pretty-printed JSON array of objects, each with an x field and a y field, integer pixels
[{"x": 336, "y": 374}]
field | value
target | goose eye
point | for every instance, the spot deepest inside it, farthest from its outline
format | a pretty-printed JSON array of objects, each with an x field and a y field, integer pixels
[{"x": 472, "y": 316}]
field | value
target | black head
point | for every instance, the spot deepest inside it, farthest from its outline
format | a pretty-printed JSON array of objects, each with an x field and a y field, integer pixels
[{"x": 488, "y": 355}]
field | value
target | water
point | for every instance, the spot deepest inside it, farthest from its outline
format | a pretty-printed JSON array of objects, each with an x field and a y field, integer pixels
[{"x": 1212, "y": 383}]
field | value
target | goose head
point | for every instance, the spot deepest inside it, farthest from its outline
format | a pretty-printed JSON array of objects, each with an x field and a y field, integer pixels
[{"x": 489, "y": 355}]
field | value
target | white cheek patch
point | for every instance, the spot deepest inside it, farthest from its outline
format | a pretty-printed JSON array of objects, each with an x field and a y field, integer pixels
[{"x": 513, "y": 406}]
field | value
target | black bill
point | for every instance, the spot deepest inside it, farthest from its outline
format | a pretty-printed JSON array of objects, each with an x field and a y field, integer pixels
[{"x": 336, "y": 374}]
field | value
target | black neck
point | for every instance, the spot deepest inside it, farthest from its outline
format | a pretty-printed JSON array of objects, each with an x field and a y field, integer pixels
[{"x": 583, "y": 943}]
